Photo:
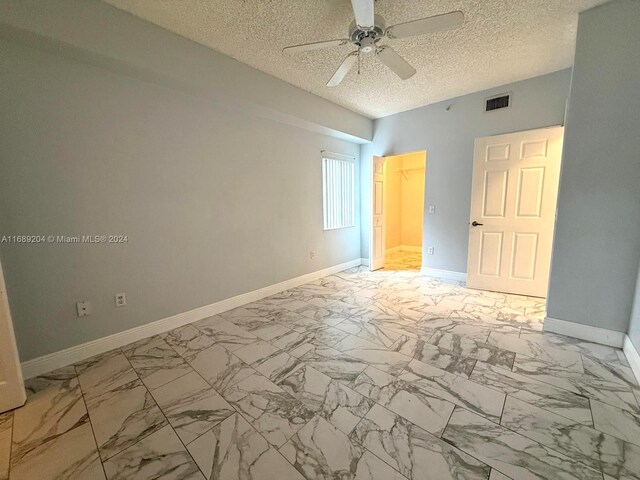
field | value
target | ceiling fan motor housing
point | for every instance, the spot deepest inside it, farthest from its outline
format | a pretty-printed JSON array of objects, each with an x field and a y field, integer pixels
[{"x": 366, "y": 39}]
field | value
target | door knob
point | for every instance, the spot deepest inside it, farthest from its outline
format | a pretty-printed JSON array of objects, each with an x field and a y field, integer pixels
[{"x": 476, "y": 224}]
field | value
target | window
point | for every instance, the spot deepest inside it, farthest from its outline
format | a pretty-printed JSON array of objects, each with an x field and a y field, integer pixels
[{"x": 338, "y": 193}]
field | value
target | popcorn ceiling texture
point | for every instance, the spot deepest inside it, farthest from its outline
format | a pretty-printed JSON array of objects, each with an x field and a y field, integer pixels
[{"x": 502, "y": 41}]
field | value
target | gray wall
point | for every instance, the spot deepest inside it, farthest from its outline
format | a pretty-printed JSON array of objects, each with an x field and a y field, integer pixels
[
  {"x": 101, "y": 34},
  {"x": 215, "y": 202},
  {"x": 597, "y": 240},
  {"x": 448, "y": 138}
]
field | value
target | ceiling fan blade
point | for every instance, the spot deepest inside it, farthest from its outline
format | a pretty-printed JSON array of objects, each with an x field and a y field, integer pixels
[
  {"x": 314, "y": 46},
  {"x": 343, "y": 69},
  {"x": 363, "y": 10},
  {"x": 395, "y": 62},
  {"x": 424, "y": 26}
]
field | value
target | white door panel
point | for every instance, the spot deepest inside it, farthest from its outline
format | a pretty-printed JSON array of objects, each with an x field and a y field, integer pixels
[
  {"x": 513, "y": 200},
  {"x": 378, "y": 227}
]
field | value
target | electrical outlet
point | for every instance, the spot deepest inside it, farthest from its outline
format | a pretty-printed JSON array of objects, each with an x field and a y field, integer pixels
[
  {"x": 312, "y": 254},
  {"x": 83, "y": 307},
  {"x": 432, "y": 209},
  {"x": 430, "y": 250},
  {"x": 121, "y": 299}
]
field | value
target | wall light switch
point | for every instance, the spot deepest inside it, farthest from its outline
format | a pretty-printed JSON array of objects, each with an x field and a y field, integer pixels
[
  {"x": 430, "y": 250},
  {"x": 83, "y": 308},
  {"x": 432, "y": 209}
]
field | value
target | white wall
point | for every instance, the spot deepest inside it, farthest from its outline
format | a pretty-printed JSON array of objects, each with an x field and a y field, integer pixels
[
  {"x": 413, "y": 199},
  {"x": 597, "y": 240},
  {"x": 392, "y": 200},
  {"x": 215, "y": 201},
  {"x": 448, "y": 136}
]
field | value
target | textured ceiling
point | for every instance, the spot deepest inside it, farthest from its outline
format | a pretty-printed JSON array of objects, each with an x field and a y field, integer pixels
[{"x": 501, "y": 41}]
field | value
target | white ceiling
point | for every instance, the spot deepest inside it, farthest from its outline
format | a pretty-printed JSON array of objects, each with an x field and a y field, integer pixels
[{"x": 501, "y": 41}]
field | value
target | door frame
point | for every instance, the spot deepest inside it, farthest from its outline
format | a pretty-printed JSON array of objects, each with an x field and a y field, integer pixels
[
  {"x": 9, "y": 359},
  {"x": 372, "y": 193}
]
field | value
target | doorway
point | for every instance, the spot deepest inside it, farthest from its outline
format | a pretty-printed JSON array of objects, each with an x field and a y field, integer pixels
[
  {"x": 513, "y": 207},
  {"x": 399, "y": 185}
]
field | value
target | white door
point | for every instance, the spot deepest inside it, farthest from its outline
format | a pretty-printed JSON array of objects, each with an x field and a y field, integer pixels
[
  {"x": 377, "y": 224},
  {"x": 513, "y": 208},
  {"x": 12, "y": 393}
]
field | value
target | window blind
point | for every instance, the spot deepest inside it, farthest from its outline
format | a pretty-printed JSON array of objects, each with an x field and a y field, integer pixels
[{"x": 338, "y": 178}]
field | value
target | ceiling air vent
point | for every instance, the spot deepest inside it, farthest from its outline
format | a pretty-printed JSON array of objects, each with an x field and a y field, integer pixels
[{"x": 498, "y": 102}]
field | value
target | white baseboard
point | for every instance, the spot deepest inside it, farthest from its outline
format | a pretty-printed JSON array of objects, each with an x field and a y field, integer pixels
[
  {"x": 632, "y": 355},
  {"x": 68, "y": 356},
  {"x": 364, "y": 261},
  {"x": 446, "y": 274},
  {"x": 599, "y": 335}
]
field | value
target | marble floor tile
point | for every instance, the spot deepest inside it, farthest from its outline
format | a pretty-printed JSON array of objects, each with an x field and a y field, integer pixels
[
  {"x": 433, "y": 355},
  {"x": 71, "y": 456},
  {"x": 122, "y": 417},
  {"x": 256, "y": 353},
  {"x": 371, "y": 332},
  {"x": 47, "y": 414},
  {"x": 191, "y": 406},
  {"x": 549, "y": 354},
  {"x": 584, "y": 444},
  {"x": 6, "y": 425},
  {"x": 419, "y": 407},
  {"x": 467, "y": 347},
  {"x": 553, "y": 399},
  {"x": 340, "y": 405},
  {"x": 219, "y": 367},
  {"x": 330, "y": 361},
  {"x": 270, "y": 331},
  {"x": 474, "y": 396},
  {"x": 611, "y": 372},
  {"x": 276, "y": 414},
  {"x": 329, "y": 336},
  {"x": 294, "y": 339},
  {"x": 413, "y": 451},
  {"x": 615, "y": 393},
  {"x": 297, "y": 322},
  {"x": 373, "y": 354},
  {"x": 511, "y": 453},
  {"x": 234, "y": 450},
  {"x": 546, "y": 339},
  {"x": 156, "y": 363},
  {"x": 403, "y": 327},
  {"x": 319, "y": 450},
  {"x": 104, "y": 372},
  {"x": 226, "y": 334},
  {"x": 278, "y": 366},
  {"x": 160, "y": 455},
  {"x": 496, "y": 475},
  {"x": 187, "y": 340},
  {"x": 616, "y": 422},
  {"x": 36, "y": 384},
  {"x": 477, "y": 330}
]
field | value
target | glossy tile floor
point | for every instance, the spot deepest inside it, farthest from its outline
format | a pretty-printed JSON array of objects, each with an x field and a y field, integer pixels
[{"x": 386, "y": 375}]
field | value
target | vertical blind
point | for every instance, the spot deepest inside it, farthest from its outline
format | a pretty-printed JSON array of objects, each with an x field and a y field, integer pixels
[{"x": 338, "y": 193}]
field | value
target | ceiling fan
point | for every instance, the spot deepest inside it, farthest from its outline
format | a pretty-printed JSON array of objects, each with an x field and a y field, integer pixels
[{"x": 366, "y": 31}]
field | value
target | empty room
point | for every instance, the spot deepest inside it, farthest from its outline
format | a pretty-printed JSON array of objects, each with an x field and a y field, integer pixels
[{"x": 320, "y": 239}]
